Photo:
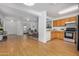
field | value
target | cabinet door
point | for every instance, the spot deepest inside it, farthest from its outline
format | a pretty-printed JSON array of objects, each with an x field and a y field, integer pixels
[
  {"x": 54, "y": 23},
  {"x": 62, "y": 22},
  {"x": 61, "y": 35},
  {"x": 53, "y": 34},
  {"x": 57, "y": 35},
  {"x": 72, "y": 18},
  {"x": 58, "y": 23}
]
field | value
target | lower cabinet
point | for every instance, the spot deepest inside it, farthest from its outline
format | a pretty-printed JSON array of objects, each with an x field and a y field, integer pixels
[{"x": 57, "y": 35}]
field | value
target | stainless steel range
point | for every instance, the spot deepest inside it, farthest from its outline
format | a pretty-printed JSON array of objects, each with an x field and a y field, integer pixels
[{"x": 70, "y": 32}]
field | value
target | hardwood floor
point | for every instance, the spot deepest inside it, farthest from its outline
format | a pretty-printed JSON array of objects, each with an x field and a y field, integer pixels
[{"x": 26, "y": 46}]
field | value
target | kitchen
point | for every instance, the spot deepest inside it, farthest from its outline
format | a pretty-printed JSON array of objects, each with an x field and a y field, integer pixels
[{"x": 65, "y": 28}]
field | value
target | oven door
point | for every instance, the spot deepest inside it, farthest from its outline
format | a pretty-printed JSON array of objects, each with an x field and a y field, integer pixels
[{"x": 69, "y": 35}]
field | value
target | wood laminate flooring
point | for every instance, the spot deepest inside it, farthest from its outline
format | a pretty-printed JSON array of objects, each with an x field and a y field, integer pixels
[{"x": 28, "y": 46}]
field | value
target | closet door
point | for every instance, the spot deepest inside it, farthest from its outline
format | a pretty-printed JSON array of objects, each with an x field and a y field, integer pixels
[{"x": 10, "y": 27}]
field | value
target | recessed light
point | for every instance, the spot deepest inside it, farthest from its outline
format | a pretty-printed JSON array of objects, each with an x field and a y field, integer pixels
[
  {"x": 28, "y": 19},
  {"x": 11, "y": 21},
  {"x": 25, "y": 26}
]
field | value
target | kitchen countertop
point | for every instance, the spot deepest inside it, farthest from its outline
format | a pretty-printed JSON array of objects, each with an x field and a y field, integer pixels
[
  {"x": 55, "y": 30},
  {"x": 48, "y": 29},
  {"x": 58, "y": 30}
]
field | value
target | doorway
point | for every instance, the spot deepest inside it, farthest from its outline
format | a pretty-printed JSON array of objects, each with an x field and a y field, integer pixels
[
  {"x": 10, "y": 27},
  {"x": 30, "y": 28}
]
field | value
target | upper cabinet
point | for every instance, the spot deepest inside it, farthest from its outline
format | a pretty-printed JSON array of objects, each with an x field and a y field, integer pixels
[
  {"x": 57, "y": 23},
  {"x": 61, "y": 22}
]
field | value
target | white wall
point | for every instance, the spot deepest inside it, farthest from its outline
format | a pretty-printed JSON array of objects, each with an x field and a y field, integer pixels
[
  {"x": 14, "y": 27},
  {"x": 10, "y": 27},
  {"x": 42, "y": 27},
  {"x": 62, "y": 17},
  {"x": 19, "y": 28}
]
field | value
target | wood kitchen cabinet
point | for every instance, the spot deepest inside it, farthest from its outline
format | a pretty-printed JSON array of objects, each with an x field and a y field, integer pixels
[
  {"x": 61, "y": 35},
  {"x": 70, "y": 19},
  {"x": 61, "y": 22},
  {"x": 54, "y": 35},
  {"x": 57, "y": 35},
  {"x": 54, "y": 23},
  {"x": 57, "y": 23},
  {"x": 73, "y": 19}
]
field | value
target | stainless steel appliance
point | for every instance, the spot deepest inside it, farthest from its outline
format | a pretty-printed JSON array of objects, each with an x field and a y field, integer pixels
[
  {"x": 70, "y": 35},
  {"x": 70, "y": 32}
]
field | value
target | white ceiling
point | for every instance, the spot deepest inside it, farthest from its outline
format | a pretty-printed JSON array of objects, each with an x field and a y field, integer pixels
[
  {"x": 21, "y": 10},
  {"x": 53, "y": 8}
]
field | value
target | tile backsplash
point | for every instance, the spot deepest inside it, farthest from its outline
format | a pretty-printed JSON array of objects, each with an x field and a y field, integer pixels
[{"x": 58, "y": 28}]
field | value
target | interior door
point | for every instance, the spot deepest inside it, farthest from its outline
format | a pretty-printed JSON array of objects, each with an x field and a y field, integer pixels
[{"x": 11, "y": 27}]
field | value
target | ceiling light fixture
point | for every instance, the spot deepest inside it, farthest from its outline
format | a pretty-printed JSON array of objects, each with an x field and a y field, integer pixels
[
  {"x": 29, "y": 4},
  {"x": 28, "y": 19},
  {"x": 11, "y": 21},
  {"x": 25, "y": 26},
  {"x": 70, "y": 9}
]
